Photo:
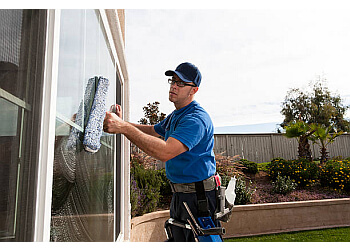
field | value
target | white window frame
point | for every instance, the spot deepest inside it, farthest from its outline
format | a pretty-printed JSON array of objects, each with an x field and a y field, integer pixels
[
  {"x": 47, "y": 134},
  {"x": 112, "y": 27}
]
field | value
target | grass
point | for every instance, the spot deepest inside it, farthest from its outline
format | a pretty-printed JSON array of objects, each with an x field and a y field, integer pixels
[{"x": 341, "y": 234}]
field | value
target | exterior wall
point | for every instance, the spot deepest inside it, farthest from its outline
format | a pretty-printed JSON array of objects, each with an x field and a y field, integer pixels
[
  {"x": 121, "y": 17},
  {"x": 258, "y": 219},
  {"x": 149, "y": 227},
  {"x": 288, "y": 216}
]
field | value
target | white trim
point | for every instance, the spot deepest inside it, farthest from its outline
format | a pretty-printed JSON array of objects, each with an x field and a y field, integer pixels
[
  {"x": 115, "y": 33},
  {"x": 47, "y": 133},
  {"x": 110, "y": 41},
  {"x": 126, "y": 205},
  {"x": 126, "y": 160}
]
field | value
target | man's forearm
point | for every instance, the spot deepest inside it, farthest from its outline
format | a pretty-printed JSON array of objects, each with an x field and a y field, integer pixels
[
  {"x": 146, "y": 141},
  {"x": 148, "y": 129},
  {"x": 151, "y": 145}
]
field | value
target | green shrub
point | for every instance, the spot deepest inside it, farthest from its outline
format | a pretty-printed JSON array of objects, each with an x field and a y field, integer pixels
[
  {"x": 144, "y": 189},
  {"x": 283, "y": 185},
  {"x": 301, "y": 171},
  {"x": 278, "y": 166},
  {"x": 243, "y": 191},
  {"x": 336, "y": 174},
  {"x": 249, "y": 166},
  {"x": 263, "y": 166},
  {"x": 165, "y": 189}
]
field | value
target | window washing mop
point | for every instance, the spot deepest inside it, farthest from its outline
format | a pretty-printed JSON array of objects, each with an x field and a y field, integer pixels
[
  {"x": 89, "y": 118},
  {"x": 94, "y": 128}
]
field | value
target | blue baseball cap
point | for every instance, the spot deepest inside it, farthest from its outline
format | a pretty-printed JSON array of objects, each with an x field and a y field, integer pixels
[{"x": 187, "y": 72}]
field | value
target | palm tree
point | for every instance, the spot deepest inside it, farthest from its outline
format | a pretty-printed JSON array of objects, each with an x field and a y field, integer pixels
[
  {"x": 302, "y": 131},
  {"x": 323, "y": 137}
]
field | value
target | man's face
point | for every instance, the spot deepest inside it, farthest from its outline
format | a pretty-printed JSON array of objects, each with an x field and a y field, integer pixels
[{"x": 179, "y": 94}]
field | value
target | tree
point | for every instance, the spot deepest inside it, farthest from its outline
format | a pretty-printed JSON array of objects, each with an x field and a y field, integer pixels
[
  {"x": 323, "y": 137},
  {"x": 302, "y": 131},
  {"x": 152, "y": 114},
  {"x": 317, "y": 106}
]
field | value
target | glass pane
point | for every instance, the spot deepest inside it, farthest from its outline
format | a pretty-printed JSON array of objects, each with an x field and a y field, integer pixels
[
  {"x": 13, "y": 27},
  {"x": 9, "y": 155},
  {"x": 83, "y": 187},
  {"x": 10, "y": 42}
]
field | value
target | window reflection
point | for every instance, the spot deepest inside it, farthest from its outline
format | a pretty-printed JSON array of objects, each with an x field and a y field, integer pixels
[{"x": 82, "y": 195}]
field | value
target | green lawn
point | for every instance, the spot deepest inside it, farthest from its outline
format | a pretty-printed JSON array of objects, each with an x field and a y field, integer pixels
[{"x": 325, "y": 235}]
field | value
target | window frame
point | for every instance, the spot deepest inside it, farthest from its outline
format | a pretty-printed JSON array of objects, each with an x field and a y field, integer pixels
[
  {"x": 30, "y": 112},
  {"x": 47, "y": 138}
]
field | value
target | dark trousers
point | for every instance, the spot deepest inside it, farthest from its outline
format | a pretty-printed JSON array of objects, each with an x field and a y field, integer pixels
[{"x": 179, "y": 212}]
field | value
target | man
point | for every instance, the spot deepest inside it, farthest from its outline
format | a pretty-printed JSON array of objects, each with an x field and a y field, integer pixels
[{"x": 187, "y": 148}]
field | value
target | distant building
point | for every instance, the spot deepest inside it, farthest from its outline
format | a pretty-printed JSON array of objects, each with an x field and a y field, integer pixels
[{"x": 49, "y": 192}]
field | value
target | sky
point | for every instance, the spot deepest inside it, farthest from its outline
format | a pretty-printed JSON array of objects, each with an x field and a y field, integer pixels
[
  {"x": 250, "y": 52},
  {"x": 249, "y": 58}
]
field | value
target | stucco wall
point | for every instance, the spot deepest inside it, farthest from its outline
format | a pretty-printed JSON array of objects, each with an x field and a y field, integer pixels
[
  {"x": 121, "y": 17},
  {"x": 258, "y": 219},
  {"x": 149, "y": 227}
]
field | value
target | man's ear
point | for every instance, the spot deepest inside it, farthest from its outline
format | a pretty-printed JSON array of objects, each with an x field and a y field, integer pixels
[{"x": 194, "y": 90}]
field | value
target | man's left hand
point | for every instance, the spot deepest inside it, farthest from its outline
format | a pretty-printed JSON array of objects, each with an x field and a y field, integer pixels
[{"x": 113, "y": 124}]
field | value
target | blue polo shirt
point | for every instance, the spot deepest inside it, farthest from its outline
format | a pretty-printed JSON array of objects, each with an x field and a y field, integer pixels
[{"x": 192, "y": 126}]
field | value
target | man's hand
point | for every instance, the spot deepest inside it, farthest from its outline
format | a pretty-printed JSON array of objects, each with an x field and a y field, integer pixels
[
  {"x": 113, "y": 124},
  {"x": 117, "y": 109}
]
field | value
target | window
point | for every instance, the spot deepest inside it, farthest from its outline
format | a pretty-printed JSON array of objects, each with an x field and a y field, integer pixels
[
  {"x": 83, "y": 183},
  {"x": 22, "y": 35}
]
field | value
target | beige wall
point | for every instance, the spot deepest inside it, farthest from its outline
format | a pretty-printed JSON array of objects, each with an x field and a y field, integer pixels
[
  {"x": 121, "y": 16},
  {"x": 149, "y": 227},
  {"x": 258, "y": 219},
  {"x": 288, "y": 216}
]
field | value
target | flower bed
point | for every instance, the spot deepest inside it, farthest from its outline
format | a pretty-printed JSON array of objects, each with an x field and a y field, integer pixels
[
  {"x": 336, "y": 174},
  {"x": 264, "y": 194}
]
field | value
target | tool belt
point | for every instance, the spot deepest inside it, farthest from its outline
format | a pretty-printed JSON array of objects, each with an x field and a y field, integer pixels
[
  {"x": 223, "y": 210},
  {"x": 209, "y": 184}
]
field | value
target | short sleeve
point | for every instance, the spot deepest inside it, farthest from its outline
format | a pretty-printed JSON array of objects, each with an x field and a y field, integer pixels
[
  {"x": 159, "y": 128},
  {"x": 163, "y": 126},
  {"x": 189, "y": 131}
]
